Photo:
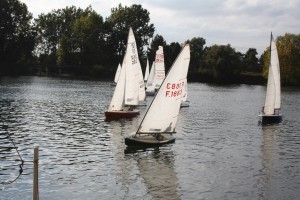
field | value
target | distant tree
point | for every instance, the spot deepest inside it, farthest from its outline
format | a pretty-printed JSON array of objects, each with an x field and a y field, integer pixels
[
  {"x": 171, "y": 52},
  {"x": 120, "y": 20},
  {"x": 288, "y": 47},
  {"x": 158, "y": 40},
  {"x": 88, "y": 39},
  {"x": 55, "y": 31},
  {"x": 222, "y": 62},
  {"x": 289, "y": 56},
  {"x": 17, "y": 35},
  {"x": 197, "y": 51},
  {"x": 251, "y": 62}
]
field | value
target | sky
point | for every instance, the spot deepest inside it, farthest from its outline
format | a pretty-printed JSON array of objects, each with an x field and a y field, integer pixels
[{"x": 243, "y": 24}]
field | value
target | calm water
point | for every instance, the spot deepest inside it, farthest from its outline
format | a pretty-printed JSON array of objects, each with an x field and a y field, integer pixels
[{"x": 221, "y": 151}]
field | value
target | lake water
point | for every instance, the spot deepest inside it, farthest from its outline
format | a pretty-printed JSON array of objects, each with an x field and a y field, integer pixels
[{"x": 221, "y": 151}]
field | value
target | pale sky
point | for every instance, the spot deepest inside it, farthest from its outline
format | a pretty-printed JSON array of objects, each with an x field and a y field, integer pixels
[{"x": 243, "y": 24}]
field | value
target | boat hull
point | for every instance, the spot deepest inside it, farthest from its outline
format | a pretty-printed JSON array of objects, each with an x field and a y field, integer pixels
[
  {"x": 145, "y": 140},
  {"x": 115, "y": 115},
  {"x": 142, "y": 104},
  {"x": 150, "y": 93},
  {"x": 184, "y": 104},
  {"x": 270, "y": 119}
]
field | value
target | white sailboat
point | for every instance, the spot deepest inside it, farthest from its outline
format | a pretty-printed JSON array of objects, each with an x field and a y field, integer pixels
[
  {"x": 270, "y": 111},
  {"x": 159, "y": 72},
  {"x": 126, "y": 94},
  {"x": 150, "y": 85},
  {"x": 159, "y": 67},
  {"x": 117, "y": 74},
  {"x": 185, "y": 102},
  {"x": 142, "y": 91},
  {"x": 159, "y": 122},
  {"x": 146, "y": 71}
]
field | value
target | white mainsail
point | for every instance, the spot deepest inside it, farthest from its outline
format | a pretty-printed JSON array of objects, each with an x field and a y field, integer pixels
[
  {"x": 159, "y": 67},
  {"x": 131, "y": 63},
  {"x": 117, "y": 73},
  {"x": 273, "y": 95},
  {"x": 150, "y": 82},
  {"x": 142, "y": 92},
  {"x": 147, "y": 71},
  {"x": 117, "y": 101},
  {"x": 161, "y": 116}
]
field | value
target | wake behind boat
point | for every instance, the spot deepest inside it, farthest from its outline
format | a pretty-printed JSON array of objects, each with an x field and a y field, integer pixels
[
  {"x": 158, "y": 125},
  {"x": 270, "y": 111}
]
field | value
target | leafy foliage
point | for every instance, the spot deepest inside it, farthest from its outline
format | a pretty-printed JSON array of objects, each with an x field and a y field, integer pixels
[
  {"x": 17, "y": 36},
  {"x": 121, "y": 19},
  {"x": 222, "y": 63},
  {"x": 83, "y": 41},
  {"x": 288, "y": 47}
]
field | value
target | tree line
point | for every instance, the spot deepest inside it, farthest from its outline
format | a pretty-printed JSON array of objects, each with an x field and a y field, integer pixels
[{"x": 81, "y": 42}]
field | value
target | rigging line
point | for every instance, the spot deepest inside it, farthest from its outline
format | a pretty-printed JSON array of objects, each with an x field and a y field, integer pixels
[
  {"x": 14, "y": 145},
  {"x": 20, "y": 165}
]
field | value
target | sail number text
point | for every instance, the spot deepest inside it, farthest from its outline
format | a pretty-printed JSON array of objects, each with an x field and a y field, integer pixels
[
  {"x": 134, "y": 54},
  {"x": 174, "y": 89},
  {"x": 159, "y": 58}
]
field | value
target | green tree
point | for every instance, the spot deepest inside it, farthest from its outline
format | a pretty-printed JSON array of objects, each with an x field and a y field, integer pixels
[
  {"x": 17, "y": 35},
  {"x": 120, "y": 20},
  {"x": 222, "y": 63},
  {"x": 251, "y": 62},
  {"x": 88, "y": 39},
  {"x": 55, "y": 32},
  {"x": 158, "y": 40},
  {"x": 171, "y": 52},
  {"x": 197, "y": 51},
  {"x": 288, "y": 47}
]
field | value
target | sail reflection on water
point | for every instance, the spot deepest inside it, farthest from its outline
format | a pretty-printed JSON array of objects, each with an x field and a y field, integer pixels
[{"x": 157, "y": 170}]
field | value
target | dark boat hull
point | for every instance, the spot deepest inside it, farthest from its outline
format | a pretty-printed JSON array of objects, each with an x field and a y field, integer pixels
[
  {"x": 184, "y": 104},
  {"x": 148, "y": 140},
  {"x": 115, "y": 115},
  {"x": 150, "y": 93},
  {"x": 270, "y": 119}
]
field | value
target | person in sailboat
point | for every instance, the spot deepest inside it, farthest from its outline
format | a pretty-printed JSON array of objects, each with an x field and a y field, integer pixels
[
  {"x": 131, "y": 108},
  {"x": 160, "y": 137}
]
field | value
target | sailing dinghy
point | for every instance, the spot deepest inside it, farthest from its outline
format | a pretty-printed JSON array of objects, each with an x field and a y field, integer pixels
[
  {"x": 146, "y": 71},
  {"x": 159, "y": 72},
  {"x": 141, "y": 83},
  {"x": 126, "y": 94},
  {"x": 150, "y": 82},
  {"x": 185, "y": 102},
  {"x": 117, "y": 74},
  {"x": 158, "y": 125},
  {"x": 270, "y": 111}
]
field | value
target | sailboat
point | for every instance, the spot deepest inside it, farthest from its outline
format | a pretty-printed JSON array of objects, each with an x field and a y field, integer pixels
[
  {"x": 117, "y": 74},
  {"x": 146, "y": 71},
  {"x": 126, "y": 94},
  {"x": 185, "y": 102},
  {"x": 270, "y": 110},
  {"x": 159, "y": 122},
  {"x": 142, "y": 91},
  {"x": 159, "y": 72},
  {"x": 150, "y": 85}
]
